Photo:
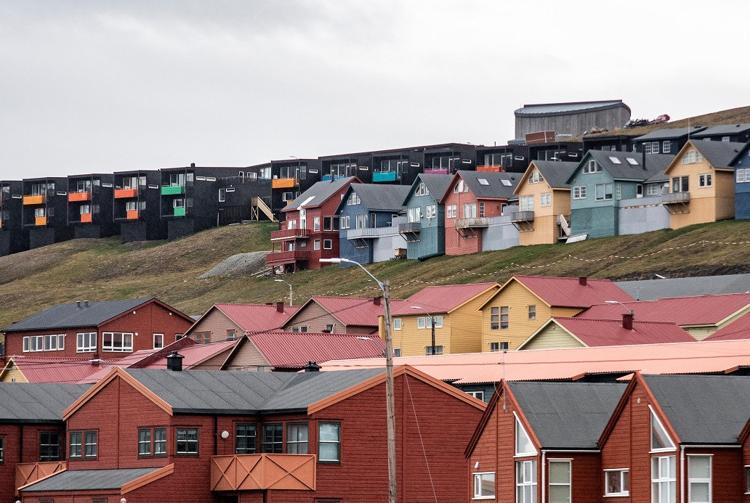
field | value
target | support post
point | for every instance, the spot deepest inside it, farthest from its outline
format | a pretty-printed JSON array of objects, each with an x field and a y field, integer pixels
[{"x": 390, "y": 404}]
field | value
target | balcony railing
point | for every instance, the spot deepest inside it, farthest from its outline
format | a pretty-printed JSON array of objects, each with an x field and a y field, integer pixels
[
  {"x": 87, "y": 218},
  {"x": 472, "y": 223},
  {"x": 676, "y": 198},
  {"x": 436, "y": 171},
  {"x": 384, "y": 176},
  {"x": 131, "y": 215},
  {"x": 78, "y": 197},
  {"x": 287, "y": 257},
  {"x": 40, "y": 221},
  {"x": 126, "y": 193},
  {"x": 179, "y": 212},
  {"x": 33, "y": 200},
  {"x": 261, "y": 472},
  {"x": 370, "y": 232},
  {"x": 289, "y": 234},
  {"x": 283, "y": 183},
  {"x": 172, "y": 190},
  {"x": 409, "y": 228},
  {"x": 490, "y": 168},
  {"x": 522, "y": 216},
  {"x": 27, "y": 473}
]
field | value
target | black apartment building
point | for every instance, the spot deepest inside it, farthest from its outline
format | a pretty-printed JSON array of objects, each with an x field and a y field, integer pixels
[
  {"x": 90, "y": 202},
  {"x": 13, "y": 237},
  {"x": 45, "y": 208},
  {"x": 290, "y": 178},
  {"x": 136, "y": 203}
]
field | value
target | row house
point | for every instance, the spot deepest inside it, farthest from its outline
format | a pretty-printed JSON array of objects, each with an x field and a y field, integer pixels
[
  {"x": 522, "y": 305},
  {"x": 609, "y": 141},
  {"x": 136, "y": 200},
  {"x": 439, "y": 320},
  {"x": 511, "y": 158},
  {"x": 310, "y": 230},
  {"x": 32, "y": 433},
  {"x": 13, "y": 236},
  {"x": 741, "y": 166},
  {"x": 290, "y": 178},
  {"x": 424, "y": 229},
  {"x": 475, "y": 212},
  {"x": 90, "y": 330},
  {"x": 144, "y": 435},
  {"x": 90, "y": 205},
  {"x": 665, "y": 140},
  {"x": 222, "y": 322},
  {"x": 45, "y": 206},
  {"x": 337, "y": 315},
  {"x": 543, "y": 194},
  {"x": 738, "y": 133},
  {"x": 369, "y": 217}
]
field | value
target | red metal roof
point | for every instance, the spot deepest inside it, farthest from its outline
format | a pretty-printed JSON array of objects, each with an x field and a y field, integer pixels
[
  {"x": 685, "y": 311},
  {"x": 440, "y": 299},
  {"x": 569, "y": 292},
  {"x": 612, "y": 333},
  {"x": 54, "y": 370},
  {"x": 256, "y": 317},
  {"x": 196, "y": 354},
  {"x": 738, "y": 329},
  {"x": 295, "y": 350},
  {"x": 351, "y": 310}
]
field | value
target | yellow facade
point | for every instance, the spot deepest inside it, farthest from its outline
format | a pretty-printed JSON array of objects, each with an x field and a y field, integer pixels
[
  {"x": 11, "y": 373},
  {"x": 544, "y": 229},
  {"x": 552, "y": 336},
  {"x": 518, "y": 299},
  {"x": 707, "y": 204}
]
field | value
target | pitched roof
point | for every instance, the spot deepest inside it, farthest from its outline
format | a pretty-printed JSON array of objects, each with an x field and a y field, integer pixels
[
  {"x": 255, "y": 317},
  {"x": 669, "y": 133},
  {"x": 494, "y": 185},
  {"x": 74, "y": 315},
  {"x": 703, "y": 409},
  {"x": 620, "y": 165},
  {"x": 567, "y": 415},
  {"x": 696, "y": 285},
  {"x": 738, "y": 329},
  {"x": 439, "y": 299},
  {"x": 573, "y": 107},
  {"x": 38, "y": 402},
  {"x": 556, "y": 173},
  {"x": 195, "y": 354},
  {"x": 379, "y": 197},
  {"x": 88, "y": 480},
  {"x": 723, "y": 130},
  {"x": 319, "y": 193},
  {"x": 295, "y": 350},
  {"x": 719, "y": 153},
  {"x": 46, "y": 369},
  {"x": 436, "y": 184},
  {"x": 593, "y": 332},
  {"x": 684, "y": 311},
  {"x": 357, "y": 311}
]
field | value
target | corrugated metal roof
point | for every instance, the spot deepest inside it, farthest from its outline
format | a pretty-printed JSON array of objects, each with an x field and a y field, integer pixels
[
  {"x": 439, "y": 299},
  {"x": 74, "y": 315},
  {"x": 88, "y": 480},
  {"x": 738, "y": 329},
  {"x": 41, "y": 369},
  {"x": 349, "y": 310},
  {"x": 680, "y": 287},
  {"x": 536, "y": 109},
  {"x": 319, "y": 193},
  {"x": 256, "y": 317},
  {"x": 568, "y": 292},
  {"x": 295, "y": 350},
  {"x": 38, "y": 402},
  {"x": 195, "y": 354},
  {"x": 611, "y": 332}
]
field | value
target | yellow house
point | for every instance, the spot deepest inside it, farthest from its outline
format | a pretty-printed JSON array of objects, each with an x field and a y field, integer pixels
[
  {"x": 543, "y": 202},
  {"x": 454, "y": 309},
  {"x": 701, "y": 183},
  {"x": 524, "y": 303},
  {"x": 12, "y": 373}
]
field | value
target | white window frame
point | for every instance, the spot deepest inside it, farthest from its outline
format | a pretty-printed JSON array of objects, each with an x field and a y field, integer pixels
[
  {"x": 693, "y": 480},
  {"x": 545, "y": 199},
  {"x": 397, "y": 324},
  {"x": 746, "y": 482},
  {"x": 87, "y": 346},
  {"x": 705, "y": 180},
  {"x": 438, "y": 320},
  {"x": 478, "y": 394},
  {"x": 477, "y": 481},
  {"x": 519, "y": 427},
  {"x": 154, "y": 341},
  {"x": 666, "y": 147},
  {"x": 421, "y": 322},
  {"x": 579, "y": 192},
  {"x": 519, "y": 469},
  {"x": 654, "y": 416},
  {"x": 743, "y": 175},
  {"x": 526, "y": 203},
  {"x": 316, "y": 244},
  {"x": 123, "y": 348},
  {"x": 622, "y": 472},
  {"x": 657, "y": 480},
  {"x": 41, "y": 343},
  {"x": 569, "y": 484},
  {"x": 328, "y": 244}
]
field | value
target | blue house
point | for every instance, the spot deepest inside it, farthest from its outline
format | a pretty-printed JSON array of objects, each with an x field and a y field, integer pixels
[
  {"x": 741, "y": 166},
  {"x": 368, "y": 222},
  {"x": 424, "y": 229},
  {"x": 602, "y": 180}
]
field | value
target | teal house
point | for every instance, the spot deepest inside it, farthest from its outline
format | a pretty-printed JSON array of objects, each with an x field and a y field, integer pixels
[
  {"x": 424, "y": 229},
  {"x": 602, "y": 180}
]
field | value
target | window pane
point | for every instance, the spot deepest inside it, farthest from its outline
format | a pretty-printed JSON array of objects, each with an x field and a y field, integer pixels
[
  {"x": 329, "y": 432},
  {"x": 659, "y": 437},
  {"x": 559, "y": 472},
  {"x": 699, "y": 493},
  {"x": 559, "y": 494},
  {"x": 699, "y": 467},
  {"x": 329, "y": 452},
  {"x": 160, "y": 441},
  {"x": 523, "y": 443}
]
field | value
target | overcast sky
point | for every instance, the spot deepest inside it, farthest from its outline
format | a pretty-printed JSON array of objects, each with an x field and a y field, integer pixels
[{"x": 112, "y": 85}]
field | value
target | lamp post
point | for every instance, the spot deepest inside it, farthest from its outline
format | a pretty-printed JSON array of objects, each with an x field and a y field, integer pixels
[
  {"x": 432, "y": 328},
  {"x": 291, "y": 291},
  {"x": 390, "y": 405},
  {"x": 630, "y": 311}
]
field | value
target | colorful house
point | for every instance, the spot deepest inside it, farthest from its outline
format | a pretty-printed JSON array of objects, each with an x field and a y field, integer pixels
[
  {"x": 450, "y": 311},
  {"x": 525, "y": 303},
  {"x": 599, "y": 184},
  {"x": 475, "y": 216},
  {"x": 146, "y": 435},
  {"x": 337, "y": 315},
  {"x": 369, "y": 222},
  {"x": 137, "y": 205},
  {"x": 543, "y": 203},
  {"x": 741, "y": 165},
  {"x": 424, "y": 229},
  {"x": 231, "y": 321},
  {"x": 310, "y": 230},
  {"x": 725, "y": 132},
  {"x": 90, "y": 202},
  {"x": 701, "y": 183},
  {"x": 537, "y": 441},
  {"x": 45, "y": 204}
]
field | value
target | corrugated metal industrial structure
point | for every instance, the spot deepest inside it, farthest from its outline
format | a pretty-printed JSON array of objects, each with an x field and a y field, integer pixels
[{"x": 573, "y": 118}]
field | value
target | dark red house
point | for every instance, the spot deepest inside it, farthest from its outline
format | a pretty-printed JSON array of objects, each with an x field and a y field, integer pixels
[
  {"x": 537, "y": 441},
  {"x": 310, "y": 230},
  {"x": 223, "y": 436},
  {"x": 90, "y": 330}
]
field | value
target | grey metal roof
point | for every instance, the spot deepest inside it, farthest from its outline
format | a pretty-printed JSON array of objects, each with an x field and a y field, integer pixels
[
  {"x": 436, "y": 185},
  {"x": 650, "y": 289},
  {"x": 556, "y": 173},
  {"x": 719, "y": 153},
  {"x": 64, "y": 316},
  {"x": 228, "y": 392},
  {"x": 536, "y": 109},
  {"x": 723, "y": 130},
  {"x": 704, "y": 409},
  {"x": 567, "y": 415},
  {"x": 88, "y": 480},
  {"x": 36, "y": 402},
  {"x": 378, "y": 197},
  {"x": 669, "y": 133},
  {"x": 318, "y": 193},
  {"x": 624, "y": 170},
  {"x": 495, "y": 188}
]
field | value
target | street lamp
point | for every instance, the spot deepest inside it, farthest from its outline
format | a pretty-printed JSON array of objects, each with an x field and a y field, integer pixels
[
  {"x": 630, "y": 311},
  {"x": 432, "y": 327},
  {"x": 390, "y": 405},
  {"x": 291, "y": 291}
]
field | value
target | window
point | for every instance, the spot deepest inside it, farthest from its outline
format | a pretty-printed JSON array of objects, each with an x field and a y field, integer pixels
[
  {"x": 592, "y": 167},
  {"x": 494, "y": 318},
  {"x": 160, "y": 441},
  {"x": 353, "y": 199},
  {"x": 743, "y": 175},
  {"x": 396, "y": 323},
  {"x": 430, "y": 211},
  {"x": 526, "y": 203},
  {"x": 603, "y": 191},
  {"x": 296, "y": 438},
  {"x": 632, "y": 161},
  {"x": 545, "y": 199},
  {"x": 316, "y": 223},
  {"x": 663, "y": 479},
  {"x": 49, "y": 446},
  {"x": 680, "y": 184},
  {"x": 617, "y": 482},
  {"x": 396, "y": 351},
  {"x": 421, "y": 190},
  {"x": 76, "y": 447},
  {"x": 483, "y": 181},
  {"x": 479, "y": 395},
  {"x": 560, "y": 481},
  {"x": 614, "y": 160},
  {"x": 450, "y": 211},
  {"x": 747, "y": 479},
  {"x": 651, "y": 147},
  {"x": 526, "y": 481},
  {"x": 484, "y": 486},
  {"x": 535, "y": 177},
  {"x": 144, "y": 442},
  {"x": 316, "y": 244},
  {"x": 329, "y": 442},
  {"x": 481, "y": 208},
  {"x": 705, "y": 180},
  {"x": 469, "y": 211},
  {"x": 638, "y": 190},
  {"x": 273, "y": 438},
  {"x": 431, "y": 351},
  {"x": 422, "y": 322},
  {"x": 494, "y": 346},
  {"x": 660, "y": 441},
  {"x": 186, "y": 441},
  {"x": 158, "y": 341},
  {"x": 117, "y": 342},
  {"x": 504, "y": 313},
  {"x": 437, "y": 321},
  {"x": 618, "y": 191},
  {"x": 699, "y": 479},
  {"x": 579, "y": 192},
  {"x": 666, "y": 147},
  {"x": 327, "y": 244},
  {"x": 2, "y": 449},
  {"x": 692, "y": 157},
  {"x": 86, "y": 342},
  {"x": 34, "y": 343},
  {"x": 414, "y": 215},
  {"x": 222, "y": 195},
  {"x": 653, "y": 189},
  {"x": 524, "y": 447}
]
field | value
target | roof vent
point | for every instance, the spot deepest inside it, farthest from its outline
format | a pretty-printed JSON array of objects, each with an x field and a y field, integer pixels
[
  {"x": 174, "y": 361},
  {"x": 627, "y": 320},
  {"x": 78, "y": 304},
  {"x": 583, "y": 281},
  {"x": 312, "y": 367},
  {"x": 85, "y": 303}
]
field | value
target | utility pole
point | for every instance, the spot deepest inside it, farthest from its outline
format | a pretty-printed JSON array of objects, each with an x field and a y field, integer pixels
[
  {"x": 432, "y": 323},
  {"x": 390, "y": 404}
]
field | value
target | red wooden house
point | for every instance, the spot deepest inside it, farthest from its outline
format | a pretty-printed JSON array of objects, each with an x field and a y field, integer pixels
[
  {"x": 310, "y": 230},
  {"x": 471, "y": 200},
  {"x": 91, "y": 330},
  {"x": 537, "y": 441},
  {"x": 222, "y": 436}
]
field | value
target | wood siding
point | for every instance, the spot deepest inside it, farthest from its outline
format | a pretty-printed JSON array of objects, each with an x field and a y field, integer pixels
[
  {"x": 553, "y": 336},
  {"x": 215, "y": 324}
]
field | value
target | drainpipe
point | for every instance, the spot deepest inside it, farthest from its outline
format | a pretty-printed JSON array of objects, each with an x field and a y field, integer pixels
[
  {"x": 544, "y": 473},
  {"x": 682, "y": 473}
]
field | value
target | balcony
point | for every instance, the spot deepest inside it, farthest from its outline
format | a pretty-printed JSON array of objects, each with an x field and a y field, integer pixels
[
  {"x": 287, "y": 257},
  {"x": 284, "y": 183},
  {"x": 33, "y": 200},
  {"x": 290, "y": 234},
  {"x": 126, "y": 193},
  {"x": 472, "y": 223},
  {"x": 79, "y": 197},
  {"x": 384, "y": 176},
  {"x": 370, "y": 232},
  {"x": 131, "y": 215},
  {"x": 262, "y": 472},
  {"x": 172, "y": 190},
  {"x": 179, "y": 212},
  {"x": 519, "y": 217},
  {"x": 488, "y": 168},
  {"x": 28, "y": 473},
  {"x": 436, "y": 171},
  {"x": 40, "y": 221},
  {"x": 676, "y": 198},
  {"x": 409, "y": 228},
  {"x": 87, "y": 218}
]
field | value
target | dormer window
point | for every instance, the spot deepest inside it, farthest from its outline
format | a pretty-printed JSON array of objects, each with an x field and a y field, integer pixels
[{"x": 592, "y": 167}]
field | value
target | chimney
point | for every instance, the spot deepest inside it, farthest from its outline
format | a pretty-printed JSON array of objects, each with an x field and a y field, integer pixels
[
  {"x": 85, "y": 303},
  {"x": 280, "y": 307},
  {"x": 627, "y": 320},
  {"x": 583, "y": 281},
  {"x": 174, "y": 361},
  {"x": 376, "y": 300},
  {"x": 312, "y": 367},
  {"x": 192, "y": 164},
  {"x": 78, "y": 304}
]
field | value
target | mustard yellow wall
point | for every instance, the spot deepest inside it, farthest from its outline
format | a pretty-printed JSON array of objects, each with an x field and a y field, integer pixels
[
  {"x": 544, "y": 230},
  {"x": 701, "y": 332},
  {"x": 551, "y": 337},
  {"x": 520, "y": 328},
  {"x": 13, "y": 374}
]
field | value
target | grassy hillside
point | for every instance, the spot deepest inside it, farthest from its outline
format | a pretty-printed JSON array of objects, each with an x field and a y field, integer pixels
[{"x": 105, "y": 269}]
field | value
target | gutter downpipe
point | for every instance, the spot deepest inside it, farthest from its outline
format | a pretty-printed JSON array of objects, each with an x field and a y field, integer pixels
[
  {"x": 682, "y": 473},
  {"x": 544, "y": 472}
]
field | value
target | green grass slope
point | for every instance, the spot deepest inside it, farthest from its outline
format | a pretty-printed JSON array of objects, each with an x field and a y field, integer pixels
[{"x": 106, "y": 269}]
